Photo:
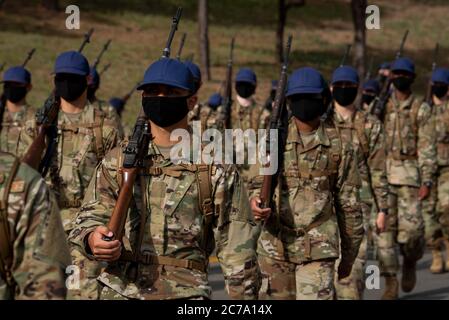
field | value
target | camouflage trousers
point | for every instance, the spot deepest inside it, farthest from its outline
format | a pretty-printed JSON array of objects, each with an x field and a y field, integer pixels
[
  {"x": 432, "y": 231},
  {"x": 284, "y": 280},
  {"x": 351, "y": 287},
  {"x": 405, "y": 226},
  {"x": 89, "y": 270},
  {"x": 442, "y": 206}
]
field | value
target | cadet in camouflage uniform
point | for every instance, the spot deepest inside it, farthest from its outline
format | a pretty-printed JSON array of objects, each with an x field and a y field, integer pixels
[
  {"x": 247, "y": 114},
  {"x": 411, "y": 167},
  {"x": 319, "y": 201},
  {"x": 111, "y": 113},
  {"x": 370, "y": 91},
  {"x": 84, "y": 136},
  {"x": 168, "y": 243},
  {"x": 437, "y": 221},
  {"x": 365, "y": 131},
  {"x": 16, "y": 112},
  {"x": 33, "y": 253}
]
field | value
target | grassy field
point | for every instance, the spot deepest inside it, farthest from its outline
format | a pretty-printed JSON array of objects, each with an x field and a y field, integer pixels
[{"x": 138, "y": 30}]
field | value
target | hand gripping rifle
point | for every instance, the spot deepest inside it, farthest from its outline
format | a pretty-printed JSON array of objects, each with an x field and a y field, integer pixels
[
  {"x": 134, "y": 156},
  {"x": 385, "y": 93},
  {"x": 276, "y": 122},
  {"x": 224, "y": 116},
  {"x": 429, "y": 99},
  {"x": 46, "y": 120}
]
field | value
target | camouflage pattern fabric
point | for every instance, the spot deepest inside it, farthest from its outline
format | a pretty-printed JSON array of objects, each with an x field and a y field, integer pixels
[
  {"x": 319, "y": 190},
  {"x": 205, "y": 114},
  {"x": 11, "y": 139},
  {"x": 365, "y": 131},
  {"x": 284, "y": 280},
  {"x": 174, "y": 229},
  {"x": 411, "y": 161},
  {"x": 405, "y": 226},
  {"x": 40, "y": 254},
  {"x": 112, "y": 116}
]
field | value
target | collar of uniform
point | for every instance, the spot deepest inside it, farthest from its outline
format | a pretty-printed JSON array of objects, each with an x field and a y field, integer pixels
[
  {"x": 241, "y": 108},
  {"x": 402, "y": 104},
  {"x": 16, "y": 116},
  {"x": 87, "y": 112},
  {"x": 341, "y": 120},
  {"x": 320, "y": 137}
]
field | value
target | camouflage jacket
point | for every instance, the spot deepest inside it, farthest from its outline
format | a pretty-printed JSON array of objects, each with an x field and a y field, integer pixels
[
  {"x": 248, "y": 117},
  {"x": 318, "y": 207},
  {"x": 111, "y": 115},
  {"x": 367, "y": 132},
  {"x": 411, "y": 152},
  {"x": 11, "y": 139},
  {"x": 39, "y": 251},
  {"x": 205, "y": 114},
  {"x": 441, "y": 123},
  {"x": 173, "y": 228},
  {"x": 82, "y": 143}
]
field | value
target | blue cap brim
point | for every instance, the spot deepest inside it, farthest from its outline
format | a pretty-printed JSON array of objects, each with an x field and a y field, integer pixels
[
  {"x": 72, "y": 71},
  {"x": 344, "y": 80},
  {"x": 304, "y": 90},
  {"x": 164, "y": 82}
]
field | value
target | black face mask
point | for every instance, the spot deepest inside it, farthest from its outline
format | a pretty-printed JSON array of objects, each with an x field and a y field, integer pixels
[
  {"x": 402, "y": 83},
  {"x": 165, "y": 111},
  {"x": 70, "y": 86},
  {"x": 14, "y": 93},
  {"x": 306, "y": 108},
  {"x": 368, "y": 98},
  {"x": 245, "y": 89},
  {"x": 91, "y": 93},
  {"x": 439, "y": 91},
  {"x": 344, "y": 95}
]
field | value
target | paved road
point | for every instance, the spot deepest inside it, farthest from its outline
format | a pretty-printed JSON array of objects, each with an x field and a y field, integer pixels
[{"x": 428, "y": 287}]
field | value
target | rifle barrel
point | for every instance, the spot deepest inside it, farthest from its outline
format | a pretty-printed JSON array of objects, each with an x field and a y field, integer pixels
[
  {"x": 174, "y": 27},
  {"x": 29, "y": 56},
  {"x": 86, "y": 39},
  {"x": 181, "y": 46}
]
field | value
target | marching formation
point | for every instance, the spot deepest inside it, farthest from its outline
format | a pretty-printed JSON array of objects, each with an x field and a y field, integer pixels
[{"x": 362, "y": 165}]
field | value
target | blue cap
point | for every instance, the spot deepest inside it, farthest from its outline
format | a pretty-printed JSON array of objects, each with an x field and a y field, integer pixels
[
  {"x": 305, "y": 80},
  {"x": 215, "y": 100},
  {"x": 117, "y": 104},
  {"x": 246, "y": 75},
  {"x": 274, "y": 84},
  {"x": 385, "y": 65},
  {"x": 170, "y": 72},
  {"x": 17, "y": 74},
  {"x": 403, "y": 64},
  {"x": 72, "y": 62},
  {"x": 372, "y": 85},
  {"x": 194, "y": 69},
  {"x": 94, "y": 77},
  {"x": 345, "y": 73},
  {"x": 441, "y": 75}
]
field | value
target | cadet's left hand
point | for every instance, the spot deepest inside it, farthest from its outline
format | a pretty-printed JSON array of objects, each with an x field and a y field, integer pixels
[
  {"x": 423, "y": 192},
  {"x": 258, "y": 212},
  {"x": 381, "y": 222}
]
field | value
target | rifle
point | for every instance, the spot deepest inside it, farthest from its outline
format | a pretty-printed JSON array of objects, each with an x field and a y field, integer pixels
[
  {"x": 385, "y": 93},
  {"x": 29, "y": 56},
  {"x": 270, "y": 181},
  {"x": 428, "y": 98},
  {"x": 134, "y": 156},
  {"x": 345, "y": 55},
  {"x": 224, "y": 116},
  {"x": 97, "y": 60},
  {"x": 370, "y": 69},
  {"x": 183, "y": 40},
  {"x": 46, "y": 120},
  {"x": 2, "y": 66},
  {"x": 105, "y": 68}
]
